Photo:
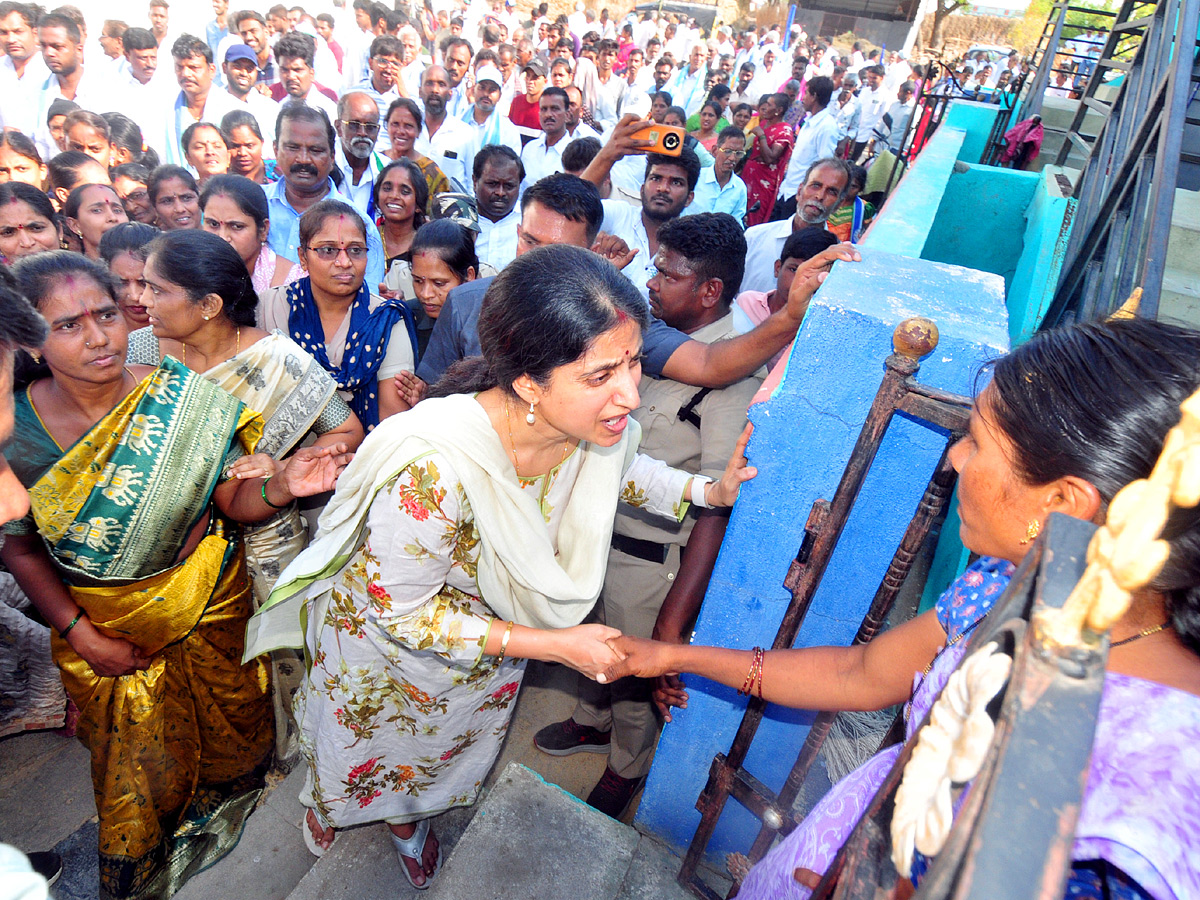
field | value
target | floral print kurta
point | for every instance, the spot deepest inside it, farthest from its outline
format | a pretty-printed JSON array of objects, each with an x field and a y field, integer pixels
[{"x": 402, "y": 716}]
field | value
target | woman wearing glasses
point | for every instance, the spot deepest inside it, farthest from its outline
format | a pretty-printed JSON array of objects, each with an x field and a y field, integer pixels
[
  {"x": 719, "y": 189},
  {"x": 360, "y": 338}
]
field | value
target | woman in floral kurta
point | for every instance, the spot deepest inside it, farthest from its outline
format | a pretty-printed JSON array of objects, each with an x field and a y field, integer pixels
[
  {"x": 403, "y": 715},
  {"x": 466, "y": 521}
]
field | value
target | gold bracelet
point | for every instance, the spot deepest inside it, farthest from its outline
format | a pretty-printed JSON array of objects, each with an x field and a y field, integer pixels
[
  {"x": 504, "y": 643},
  {"x": 755, "y": 674}
]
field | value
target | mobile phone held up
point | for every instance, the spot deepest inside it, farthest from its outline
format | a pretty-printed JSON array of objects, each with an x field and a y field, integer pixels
[{"x": 668, "y": 139}]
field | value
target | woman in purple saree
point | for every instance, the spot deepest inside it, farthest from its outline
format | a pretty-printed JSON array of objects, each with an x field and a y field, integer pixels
[{"x": 1068, "y": 419}]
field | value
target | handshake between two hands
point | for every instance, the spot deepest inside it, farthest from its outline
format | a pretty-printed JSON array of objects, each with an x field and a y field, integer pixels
[{"x": 605, "y": 655}]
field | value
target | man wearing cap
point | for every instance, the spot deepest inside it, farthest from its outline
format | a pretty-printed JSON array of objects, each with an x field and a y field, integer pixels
[
  {"x": 525, "y": 112},
  {"x": 484, "y": 120},
  {"x": 240, "y": 67},
  {"x": 355, "y": 155},
  {"x": 443, "y": 138}
]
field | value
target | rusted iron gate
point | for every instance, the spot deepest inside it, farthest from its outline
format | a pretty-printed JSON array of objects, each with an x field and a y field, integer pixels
[
  {"x": 898, "y": 392},
  {"x": 1012, "y": 836}
]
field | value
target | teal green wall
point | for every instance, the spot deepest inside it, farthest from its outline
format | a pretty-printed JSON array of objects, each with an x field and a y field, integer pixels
[
  {"x": 980, "y": 222},
  {"x": 976, "y": 119}
]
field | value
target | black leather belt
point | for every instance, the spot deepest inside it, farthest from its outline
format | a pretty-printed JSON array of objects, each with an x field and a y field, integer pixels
[{"x": 647, "y": 550}]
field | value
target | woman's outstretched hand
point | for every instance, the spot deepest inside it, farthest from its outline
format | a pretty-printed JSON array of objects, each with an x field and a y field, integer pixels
[
  {"x": 725, "y": 491},
  {"x": 589, "y": 649},
  {"x": 314, "y": 470},
  {"x": 644, "y": 658}
]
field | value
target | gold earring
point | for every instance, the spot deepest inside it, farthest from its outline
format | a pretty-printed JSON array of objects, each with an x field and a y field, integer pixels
[
  {"x": 529, "y": 416},
  {"x": 37, "y": 357},
  {"x": 1032, "y": 530}
]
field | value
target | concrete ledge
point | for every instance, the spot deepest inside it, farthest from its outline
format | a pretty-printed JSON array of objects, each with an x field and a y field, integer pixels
[{"x": 532, "y": 839}]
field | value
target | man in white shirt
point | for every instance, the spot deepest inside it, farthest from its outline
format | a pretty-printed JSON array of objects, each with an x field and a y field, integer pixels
[
  {"x": 412, "y": 65},
  {"x": 890, "y": 130},
  {"x": 22, "y": 70},
  {"x": 823, "y": 190},
  {"x": 355, "y": 155},
  {"x": 445, "y": 139},
  {"x": 498, "y": 175},
  {"x": 816, "y": 139},
  {"x": 612, "y": 87},
  {"x": 543, "y": 156},
  {"x": 484, "y": 119},
  {"x": 725, "y": 46},
  {"x": 688, "y": 87},
  {"x": 295, "y": 53},
  {"x": 199, "y": 100},
  {"x": 874, "y": 100},
  {"x": 742, "y": 90},
  {"x": 846, "y": 109},
  {"x": 240, "y": 68},
  {"x": 767, "y": 78},
  {"x": 666, "y": 192},
  {"x": 576, "y": 127},
  {"x": 62, "y": 52},
  {"x": 383, "y": 73}
]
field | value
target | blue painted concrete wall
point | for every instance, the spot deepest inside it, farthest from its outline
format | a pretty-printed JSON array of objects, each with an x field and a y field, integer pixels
[
  {"x": 803, "y": 438},
  {"x": 904, "y": 223}
]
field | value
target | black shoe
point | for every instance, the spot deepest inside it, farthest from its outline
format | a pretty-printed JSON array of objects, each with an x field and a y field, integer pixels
[
  {"x": 613, "y": 793},
  {"x": 566, "y": 738},
  {"x": 46, "y": 863}
]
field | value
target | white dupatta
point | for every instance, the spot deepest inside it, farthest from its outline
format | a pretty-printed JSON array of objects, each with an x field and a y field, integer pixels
[{"x": 520, "y": 576}]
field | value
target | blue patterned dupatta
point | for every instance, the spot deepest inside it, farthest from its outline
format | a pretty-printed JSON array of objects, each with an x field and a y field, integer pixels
[{"x": 366, "y": 345}]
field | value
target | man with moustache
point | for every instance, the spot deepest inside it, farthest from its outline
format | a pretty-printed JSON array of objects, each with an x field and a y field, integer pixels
[
  {"x": 199, "y": 100},
  {"x": 822, "y": 191},
  {"x": 543, "y": 156},
  {"x": 457, "y": 63},
  {"x": 295, "y": 54},
  {"x": 62, "y": 52},
  {"x": 304, "y": 149},
  {"x": 356, "y": 157},
  {"x": 665, "y": 193},
  {"x": 22, "y": 70},
  {"x": 498, "y": 174},
  {"x": 443, "y": 138}
]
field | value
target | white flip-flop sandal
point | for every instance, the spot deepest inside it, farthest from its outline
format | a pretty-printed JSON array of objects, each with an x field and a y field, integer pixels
[
  {"x": 311, "y": 842},
  {"x": 414, "y": 848}
]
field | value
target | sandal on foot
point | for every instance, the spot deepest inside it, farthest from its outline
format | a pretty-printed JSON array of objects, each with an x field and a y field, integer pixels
[
  {"x": 414, "y": 848},
  {"x": 310, "y": 840}
]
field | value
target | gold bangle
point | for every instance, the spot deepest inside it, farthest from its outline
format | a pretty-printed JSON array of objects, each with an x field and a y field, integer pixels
[{"x": 504, "y": 643}]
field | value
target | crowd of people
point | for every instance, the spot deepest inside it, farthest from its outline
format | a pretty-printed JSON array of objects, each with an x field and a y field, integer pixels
[{"x": 478, "y": 311}]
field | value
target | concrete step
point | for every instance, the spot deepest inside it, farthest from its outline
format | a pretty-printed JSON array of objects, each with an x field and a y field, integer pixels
[
  {"x": 1179, "y": 300},
  {"x": 532, "y": 839},
  {"x": 1183, "y": 247}
]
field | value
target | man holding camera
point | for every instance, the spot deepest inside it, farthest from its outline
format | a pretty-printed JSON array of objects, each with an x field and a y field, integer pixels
[{"x": 667, "y": 190}]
